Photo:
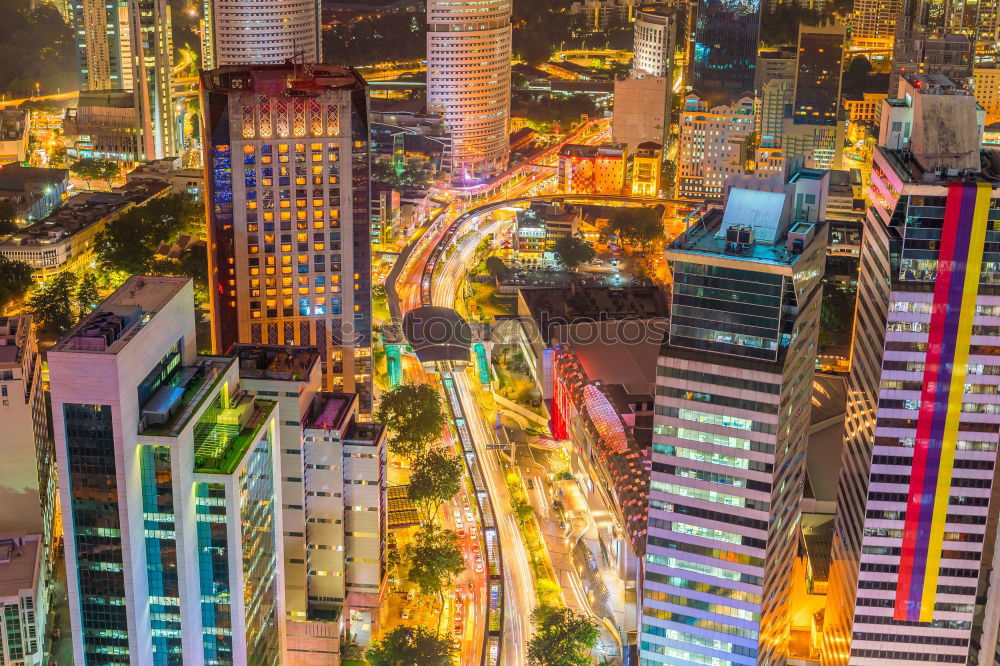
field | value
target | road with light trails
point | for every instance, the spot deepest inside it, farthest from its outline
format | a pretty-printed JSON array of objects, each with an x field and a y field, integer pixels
[{"x": 519, "y": 582}]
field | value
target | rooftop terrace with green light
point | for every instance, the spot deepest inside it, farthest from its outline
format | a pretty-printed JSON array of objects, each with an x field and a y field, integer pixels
[{"x": 204, "y": 397}]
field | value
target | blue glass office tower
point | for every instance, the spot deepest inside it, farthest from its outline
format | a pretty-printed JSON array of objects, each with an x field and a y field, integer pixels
[
  {"x": 169, "y": 495},
  {"x": 724, "y": 52}
]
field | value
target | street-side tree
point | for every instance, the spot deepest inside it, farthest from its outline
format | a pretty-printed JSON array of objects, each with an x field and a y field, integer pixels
[
  {"x": 483, "y": 247},
  {"x": 562, "y": 637},
  {"x": 412, "y": 412},
  {"x": 573, "y": 251},
  {"x": 410, "y": 646},
  {"x": 436, "y": 477},
  {"x": 434, "y": 559},
  {"x": 94, "y": 168},
  {"x": 54, "y": 303},
  {"x": 637, "y": 226},
  {"x": 87, "y": 294},
  {"x": 15, "y": 281}
]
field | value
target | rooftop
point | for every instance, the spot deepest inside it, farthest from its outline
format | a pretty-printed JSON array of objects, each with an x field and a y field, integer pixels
[
  {"x": 437, "y": 334},
  {"x": 330, "y": 411},
  {"x": 620, "y": 352},
  {"x": 82, "y": 211},
  {"x": 14, "y": 332},
  {"x": 122, "y": 314},
  {"x": 276, "y": 362},
  {"x": 288, "y": 78},
  {"x": 13, "y": 176},
  {"x": 754, "y": 227},
  {"x": 18, "y": 559},
  {"x": 221, "y": 444},
  {"x": 578, "y": 303}
]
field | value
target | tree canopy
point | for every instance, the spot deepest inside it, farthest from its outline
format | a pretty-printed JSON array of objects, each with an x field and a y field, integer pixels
[
  {"x": 549, "y": 108},
  {"x": 95, "y": 168},
  {"x": 435, "y": 478},
  {"x": 572, "y": 251},
  {"x": 637, "y": 226},
  {"x": 15, "y": 281},
  {"x": 55, "y": 305},
  {"x": 129, "y": 243},
  {"x": 434, "y": 558},
  {"x": 407, "y": 646},
  {"x": 36, "y": 47},
  {"x": 7, "y": 215},
  {"x": 562, "y": 637},
  {"x": 412, "y": 412}
]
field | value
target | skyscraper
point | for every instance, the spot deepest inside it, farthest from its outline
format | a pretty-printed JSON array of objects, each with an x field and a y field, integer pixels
[
  {"x": 817, "y": 79},
  {"x": 288, "y": 213},
  {"x": 734, "y": 384},
  {"x": 126, "y": 45},
  {"x": 873, "y": 23},
  {"x": 712, "y": 145},
  {"x": 169, "y": 496},
  {"x": 724, "y": 56},
  {"x": 655, "y": 40},
  {"x": 468, "y": 81},
  {"x": 915, "y": 539},
  {"x": 241, "y": 33}
]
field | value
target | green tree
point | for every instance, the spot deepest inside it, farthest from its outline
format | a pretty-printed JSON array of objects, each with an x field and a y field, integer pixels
[
  {"x": 7, "y": 215},
  {"x": 15, "y": 281},
  {"x": 562, "y": 637},
  {"x": 436, "y": 477},
  {"x": 95, "y": 168},
  {"x": 54, "y": 303},
  {"x": 434, "y": 559},
  {"x": 412, "y": 412},
  {"x": 484, "y": 247},
  {"x": 129, "y": 242},
  {"x": 572, "y": 251},
  {"x": 36, "y": 47},
  {"x": 87, "y": 295},
  {"x": 408, "y": 646},
  {"x": 522, "y": 509},
  {"x": 637, "y": 226}
]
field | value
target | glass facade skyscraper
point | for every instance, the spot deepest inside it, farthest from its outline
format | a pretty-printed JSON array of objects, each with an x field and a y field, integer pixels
[
  {"x": 724, "y": 53},
  {"x": 734, "y": 382},
  {"x": 170, "y": 502}
]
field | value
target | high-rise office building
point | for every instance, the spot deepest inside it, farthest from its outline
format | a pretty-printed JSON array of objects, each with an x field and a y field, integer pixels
[
  {"x": 468, "y": 81},
  {"x": 734, "y": 385},
  {"x": 724, "y": 55},
  {"x": 655, "y": 40},
  {"x": 914, "y": 542},
  {"x": 817, "y": 79},
  {"x": 237, "y": 33},
  {"x": 287, "y": 153},
  {"x": 128, "y": 46},
  {"x": 333, "y": 501},
  {"x": 170, "y": 502},
  {"x": 873, "y": 23},
  {"x": 26, "y": 471},
  {"x": 712, "y": 145}
]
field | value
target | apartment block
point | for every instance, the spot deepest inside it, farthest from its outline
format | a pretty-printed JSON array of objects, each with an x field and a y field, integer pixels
[{"x": 712, "y": 145}]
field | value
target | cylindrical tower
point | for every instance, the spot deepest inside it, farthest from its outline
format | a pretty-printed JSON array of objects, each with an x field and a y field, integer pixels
[
  {"x": 468, "y": 81},
  {"x": 254, "y": 32}
]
